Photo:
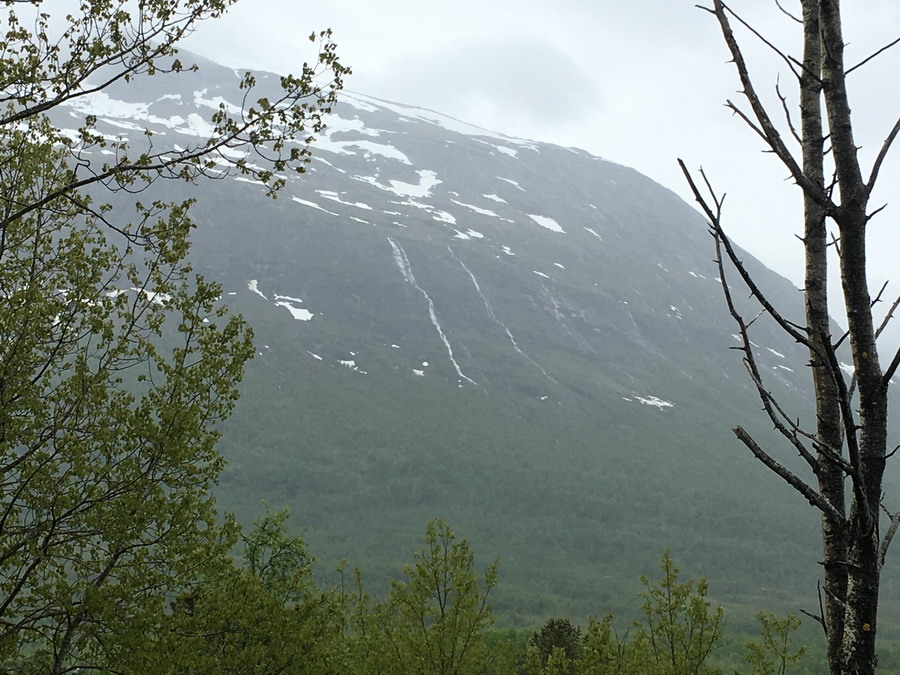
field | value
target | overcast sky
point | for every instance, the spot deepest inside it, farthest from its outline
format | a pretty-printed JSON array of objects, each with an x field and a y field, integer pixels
[{"x": 640, "y": 82}]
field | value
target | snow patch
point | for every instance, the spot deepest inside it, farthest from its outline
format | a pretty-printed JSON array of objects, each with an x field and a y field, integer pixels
[
  {"x": 336, "y": 197},
  {"x": 253, "y": 286},
  {"x": 654, "y": 401},
  {"x": 297, "y": 312},
  {"x": 427, "y": 181},
  {"x": 547, "y": 222},
  {"x": 444, "y": 217}
]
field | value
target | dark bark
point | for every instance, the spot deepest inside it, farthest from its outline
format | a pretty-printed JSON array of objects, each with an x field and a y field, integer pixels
[
  {"x": 863, "y": 565},
  {"x": 848, "y": 445},
  {"x": 829, "y": 433}
]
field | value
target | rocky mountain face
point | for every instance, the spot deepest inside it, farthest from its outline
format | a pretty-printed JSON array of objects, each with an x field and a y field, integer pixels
[{"x": 524, "y": 339}]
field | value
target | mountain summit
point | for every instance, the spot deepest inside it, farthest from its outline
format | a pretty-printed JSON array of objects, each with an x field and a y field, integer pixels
[{"x": 524, "y": 339}]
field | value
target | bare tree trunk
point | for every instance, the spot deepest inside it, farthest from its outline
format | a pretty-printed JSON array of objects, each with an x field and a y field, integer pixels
[
  {"x": 829, "y": 432},
  {"x": 845, "y": 444},
  {"x": 858, "y": 647}
]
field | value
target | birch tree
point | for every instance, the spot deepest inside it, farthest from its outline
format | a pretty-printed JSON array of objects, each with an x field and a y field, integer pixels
[
  {"x": 116, "y": 362},
  {"x": 846, "y": 450}
]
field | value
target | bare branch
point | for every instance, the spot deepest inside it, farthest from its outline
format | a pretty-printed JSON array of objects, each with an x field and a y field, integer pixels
[
  {"x": 781, "y": 421},
  {"x": 789, "y": 60},
  {"x": 885, "y": 147},
  {"x": 767, "y": 129},
  {"x": 787, "y": 13},
  {"x": 818, "y": 619},
  {"x": 787, "y": 113},
  {"x": 849, "y": 424},
  {"x": 808, "y": 493},
  {"x": 870, "y": 57},
  {"x": 887, "y": 317},
  {"x": 714, "y": 219},
  {"x": 891, "y": 369},
  {"x": 889, "y": 535}
]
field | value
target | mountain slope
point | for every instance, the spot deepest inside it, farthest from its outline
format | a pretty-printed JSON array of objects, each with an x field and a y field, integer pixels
[{"x": 524, "y": 339}]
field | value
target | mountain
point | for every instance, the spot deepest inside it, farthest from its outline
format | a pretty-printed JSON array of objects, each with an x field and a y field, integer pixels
[{"x": 524, "y": 339}]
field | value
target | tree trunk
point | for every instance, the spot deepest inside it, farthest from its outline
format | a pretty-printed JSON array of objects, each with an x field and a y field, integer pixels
[
  {"x": 850, "y": 437},
  {"x": 863, "y": 566},
  {"x": 829, "y": 432}
]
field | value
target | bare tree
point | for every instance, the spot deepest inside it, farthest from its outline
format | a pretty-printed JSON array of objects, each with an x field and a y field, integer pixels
[{"x": 846, "y": 451}]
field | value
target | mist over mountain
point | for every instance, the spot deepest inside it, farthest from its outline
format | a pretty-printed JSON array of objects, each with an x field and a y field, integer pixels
[{"x": 523, "y": 339}]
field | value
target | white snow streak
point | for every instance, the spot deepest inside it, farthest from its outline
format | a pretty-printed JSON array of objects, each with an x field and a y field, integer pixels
[
  {"x": 547, "y": 222},
  {"x": 313, "y": 205},
  {"x": 490, "y": 311},
  {"x": 512, "y": 182},
  {"x": 406, "y": 270},
  {"x": 655, "y": 402}
]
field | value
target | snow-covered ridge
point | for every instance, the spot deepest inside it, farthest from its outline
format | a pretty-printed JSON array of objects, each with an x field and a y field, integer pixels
[{"x": 371, "y": 104}]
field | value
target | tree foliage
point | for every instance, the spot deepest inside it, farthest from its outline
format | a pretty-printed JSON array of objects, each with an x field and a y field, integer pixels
[
  {"x": 434, "y": 622},
  {"x": 680, "y": 629},
  {"x": 263, "y": 615},
  {"x": 557, "y": 645},
  {"x": 116, "y": 363},
  {"x": 772, "y": 654}
]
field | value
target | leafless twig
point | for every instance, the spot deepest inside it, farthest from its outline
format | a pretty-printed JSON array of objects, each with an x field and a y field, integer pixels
[{"x": 871, "y": 56}]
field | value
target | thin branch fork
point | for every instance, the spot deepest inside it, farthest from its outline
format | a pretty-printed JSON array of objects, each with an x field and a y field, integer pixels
[
  {"x": 789, "y": 60},
  {"x": 767, "y": 129},
  {"x": 715, "y": 221},
  {"x": 810, "y": 494},
  {"x": 787, "y": 428},
  {"x": 792, "y": 430},
  {"x": 884, "y": 322}
]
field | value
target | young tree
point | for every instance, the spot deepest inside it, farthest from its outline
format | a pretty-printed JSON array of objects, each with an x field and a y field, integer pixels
[
  {"x": 556, "y": 646},
  {"x": 434, "y": 622},
  {"x": 115, "y": 364},
  {"x": 846, "y": 451},
  {"x": 680, "y": 629},
  {"x": 773, "y": 655}
]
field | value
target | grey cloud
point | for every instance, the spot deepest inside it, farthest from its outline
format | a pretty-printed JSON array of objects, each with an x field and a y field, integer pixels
[{"x": 524, "y": 79}]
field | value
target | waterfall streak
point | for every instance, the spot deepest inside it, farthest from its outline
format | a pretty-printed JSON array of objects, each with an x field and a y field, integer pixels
[
  {"x": 490, "y": 311},
  {"x": 408, "y": 276},
  {"x": 560, "y": 318}
]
